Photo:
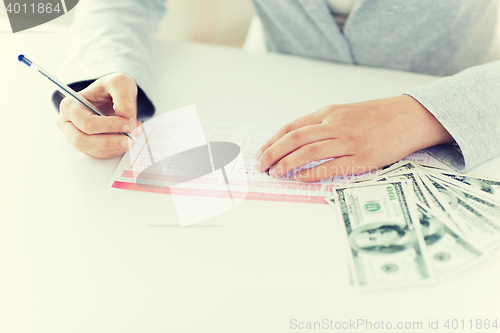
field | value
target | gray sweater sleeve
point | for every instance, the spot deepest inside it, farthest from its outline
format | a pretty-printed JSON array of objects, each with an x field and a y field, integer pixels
[
  {"x": 109, "y": 36},
  {"x": 468, "y": 106}
]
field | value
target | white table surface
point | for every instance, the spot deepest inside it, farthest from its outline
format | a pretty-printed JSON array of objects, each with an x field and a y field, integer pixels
[{"x": 76, "y": 256}]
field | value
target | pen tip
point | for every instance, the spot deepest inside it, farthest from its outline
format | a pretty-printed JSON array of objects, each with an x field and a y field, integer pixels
[{"x": 132, "y": 137}]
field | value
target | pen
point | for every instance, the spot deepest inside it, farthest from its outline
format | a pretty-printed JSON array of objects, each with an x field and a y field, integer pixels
[{"x": 64, "y": 89}]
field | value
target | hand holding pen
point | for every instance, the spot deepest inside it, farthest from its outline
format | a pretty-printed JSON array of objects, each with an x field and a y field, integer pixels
[{"x": 95, "y": 120}]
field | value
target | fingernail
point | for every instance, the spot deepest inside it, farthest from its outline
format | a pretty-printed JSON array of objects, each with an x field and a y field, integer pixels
[
  {"x": 127, "y": 143},
  {"x": 259, "y": 154},
  {"x": 126, "y": 128},
  {"x": 298, "y": 176},
  {"x": 258, "y": 166},
  {"x": 133, "y": 121},
  {"x": 138, "y": 131},
  {"x": 272, "y": 172}
]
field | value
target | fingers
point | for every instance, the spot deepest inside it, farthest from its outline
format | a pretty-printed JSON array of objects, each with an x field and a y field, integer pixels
[
  {"x": 102, "y": 145},
  {"x": 115, "y": 95},
  {"x": 119, "y": 90},
  {"x": 309, "y": 153},
  {"x": 291, "y": 142},
  {"x": 123, "y": 91},
  {"x": 138, "y": 130},
  {"x": 310, "y": 119},
  {"x": 89, "y": 123},
  {"x": 345, "y": 165},
  {"x": 105, "y": 153}
]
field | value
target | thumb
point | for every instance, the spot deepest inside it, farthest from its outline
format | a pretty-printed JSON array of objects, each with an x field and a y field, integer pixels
[{"x": 123, "y": 92}]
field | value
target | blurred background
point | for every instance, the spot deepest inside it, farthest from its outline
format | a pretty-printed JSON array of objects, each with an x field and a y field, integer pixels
[{"x": 224, "y": 22}]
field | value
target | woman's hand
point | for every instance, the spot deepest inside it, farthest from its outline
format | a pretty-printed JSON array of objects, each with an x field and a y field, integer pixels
[
  {"x": 362, "y": 137},
  {"x": 115, "y": 95}
]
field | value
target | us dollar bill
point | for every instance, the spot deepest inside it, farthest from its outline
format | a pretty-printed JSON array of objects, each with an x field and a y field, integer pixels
[
  {"x": 484, "y": 185},
  {"x": 412, "y": 180},
  {"x": 408, "y": 171},
  {"x": 382, "y": 172},
  {"x": 391, "y": 171},
  {"x": 382, "y": 177},
  {"x": 477, "y": 199},
  {"x": 386, "y": 247},
  {"x": 448, "y": 251},
  {"x": 432, "y": 167},
  {"x": 474, "y": 225}
]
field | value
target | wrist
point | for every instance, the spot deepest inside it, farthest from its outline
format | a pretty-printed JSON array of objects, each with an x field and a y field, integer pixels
[{"x": 426, "y": 129}]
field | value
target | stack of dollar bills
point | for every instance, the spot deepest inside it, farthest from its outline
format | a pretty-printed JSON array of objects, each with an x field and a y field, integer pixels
[{"x": 412, "y": 224}]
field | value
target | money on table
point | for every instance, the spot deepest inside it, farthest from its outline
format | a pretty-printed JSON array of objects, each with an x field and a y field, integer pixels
[{"x": 412, "y": 224}]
